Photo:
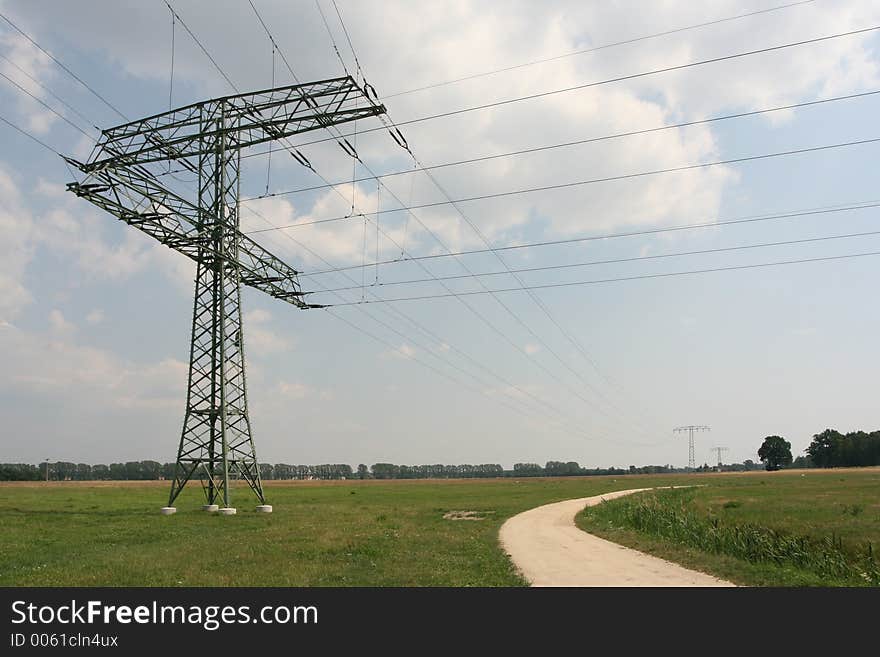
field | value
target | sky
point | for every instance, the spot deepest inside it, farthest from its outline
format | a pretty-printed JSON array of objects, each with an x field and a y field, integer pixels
[{"x": 95, "y": 316}]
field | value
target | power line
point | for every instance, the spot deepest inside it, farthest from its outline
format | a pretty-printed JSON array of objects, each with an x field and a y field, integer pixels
[
  {"x": 45, "y": 145},
  {"x": 275, "y": 43},
  {"x": 337, "y": 191},
  {"x": 623, "y": 278},
  {"x": 550, "y": 409},
  {"x": 414, "y": 158},
  {"x": 63, "y": 67},
  {"x": 650, "y": 231},
  {"x": 199, "y": 44},
  {"x": 593, "y": 181},
  {"x": 622, "y": 78},
  {"x": 580, "y": 142},
  {"x": 30, "y": 136},
  {"x": 171, "y": 77},
  {"x": 47, "y": 90},
  {"x": 597, "y": 48},
  {"x": 564, "y": 362},
  {"x": 590, "y": 263},
  {"x": 500, "y": 333},
  {"x": 44, "y": 104},
  {"x": 347, "y": 36},
  {"x": 332, "y": 39},
  {"x": 467, "y": 305}
]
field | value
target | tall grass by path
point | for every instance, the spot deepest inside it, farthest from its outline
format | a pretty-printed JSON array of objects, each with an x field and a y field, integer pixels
[{"x": 720, "y": 521}]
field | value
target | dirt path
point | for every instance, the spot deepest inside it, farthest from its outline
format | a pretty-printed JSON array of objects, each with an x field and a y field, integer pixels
[{"x": 550, "y": 550}]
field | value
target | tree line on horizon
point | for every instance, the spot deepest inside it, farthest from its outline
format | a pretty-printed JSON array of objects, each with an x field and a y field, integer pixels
[
  {"x": 828, "y": 449},
  {"x": 832, "y": 449},
  {"x": 153, "y": 470}
]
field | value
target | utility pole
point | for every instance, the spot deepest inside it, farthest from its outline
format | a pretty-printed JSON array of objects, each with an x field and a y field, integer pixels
[
  {"x": 718, "y": 451},
  {"x": 124, "y": 176},
  {"x": 47, "y": 469},
  {"x": 690, "y": 428}
]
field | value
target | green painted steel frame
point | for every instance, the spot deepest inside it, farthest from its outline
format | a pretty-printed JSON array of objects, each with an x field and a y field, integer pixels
[{"x": 123, "y": 178}]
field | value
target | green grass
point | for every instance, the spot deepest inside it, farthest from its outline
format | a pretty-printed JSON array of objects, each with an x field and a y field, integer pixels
[
  {"x": 774, "y": 529},
  {"x": 364, "y": 533},
  {"x": 320, "y": 534}
]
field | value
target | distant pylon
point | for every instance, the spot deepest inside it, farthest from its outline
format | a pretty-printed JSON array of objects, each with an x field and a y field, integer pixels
[
  {"x": 719, "y": 451},
  {"x": 690, "y": 428}
]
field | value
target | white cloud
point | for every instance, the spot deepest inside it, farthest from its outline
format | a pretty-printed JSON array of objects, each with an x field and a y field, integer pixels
[
  {"x": 26, "y": 65},
  {"x": 402, "y": 46},
  {"x": 404, "y": 351},
  {"x": 59, "y": 324},
  {"x": 259, "y": 338},
  {"x": 16, "y": 247},
  {"x": 53, "y": 364},
  {"x": 95, "y": 317},
  {"x": 294, "y": 390}
]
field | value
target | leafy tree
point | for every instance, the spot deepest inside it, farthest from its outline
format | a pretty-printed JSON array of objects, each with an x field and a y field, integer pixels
[
  {"x": 775, "y": 453},
  {"x": 825, "y": 448},
  {"x": 527, "y": 470},
  {"x": 100, "y": 472},
  {"x": 64, "y": 470}
]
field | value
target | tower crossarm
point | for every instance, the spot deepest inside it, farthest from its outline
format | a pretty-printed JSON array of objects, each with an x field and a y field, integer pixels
[
  {"x": 248, "y": 119},
  {"x": 141, "y": 201},
  {"x": 138, "y": 199},
  {"x": 263, "y": 271}
]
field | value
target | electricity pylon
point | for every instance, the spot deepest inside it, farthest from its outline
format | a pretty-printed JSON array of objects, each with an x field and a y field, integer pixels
[
  {"x": 690, "y": 429},
  {"x": 719, "y": 451},
  {"x": 124, "y": 177}
]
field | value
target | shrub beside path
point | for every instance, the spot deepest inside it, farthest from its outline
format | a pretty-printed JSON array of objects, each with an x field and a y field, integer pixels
[{"x": 550, "y": 550}]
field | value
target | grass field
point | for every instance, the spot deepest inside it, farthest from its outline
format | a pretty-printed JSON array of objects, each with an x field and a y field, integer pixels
[
  {"x": 799, "y": 528},
  {"x": 349, "y": 533}
]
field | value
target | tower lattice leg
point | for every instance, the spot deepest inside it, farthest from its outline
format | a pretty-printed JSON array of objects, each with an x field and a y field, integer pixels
[{"x": 216, "y": 442}]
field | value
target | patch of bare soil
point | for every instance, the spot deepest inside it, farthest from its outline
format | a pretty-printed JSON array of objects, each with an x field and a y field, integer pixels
[{"x": 466, "y": 515}]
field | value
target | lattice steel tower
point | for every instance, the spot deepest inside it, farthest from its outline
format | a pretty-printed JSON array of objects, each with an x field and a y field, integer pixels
[
  {"x": 127, "y": 175},
  {"x": 719, "y": 451},
  {"x": 690, "y": 429}
]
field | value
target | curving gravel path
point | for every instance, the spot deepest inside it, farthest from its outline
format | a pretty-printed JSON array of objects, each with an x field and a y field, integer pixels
[{"x": 549, "y": 550}]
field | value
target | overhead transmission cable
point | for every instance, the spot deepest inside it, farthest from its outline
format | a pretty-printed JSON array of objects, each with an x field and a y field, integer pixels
[
  {"x": 538, "y": 95},
  {"x": 592, "y": 263},
  {"x": 284, "y": 59},
  {"x": 46, "y": 105},
  {"x": 473, "y": 310},
  {"x": 592, "y": 181},
  {"x": 590, "y": 140},
  {"x": 48, "y": 91},
  {"x": 649, "y": 231},
  {"x": 30, "y": 136},
  {"x": 593, "y": 49},
  {"x": 201, "y": 46},
  {"x": 545, "y": 286},
  {"x": 63, "y": 67},
  {"x": 445, "y": 375},
  {"x": 622, "y": 78},
  {"x": 564, "y": 362}
]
